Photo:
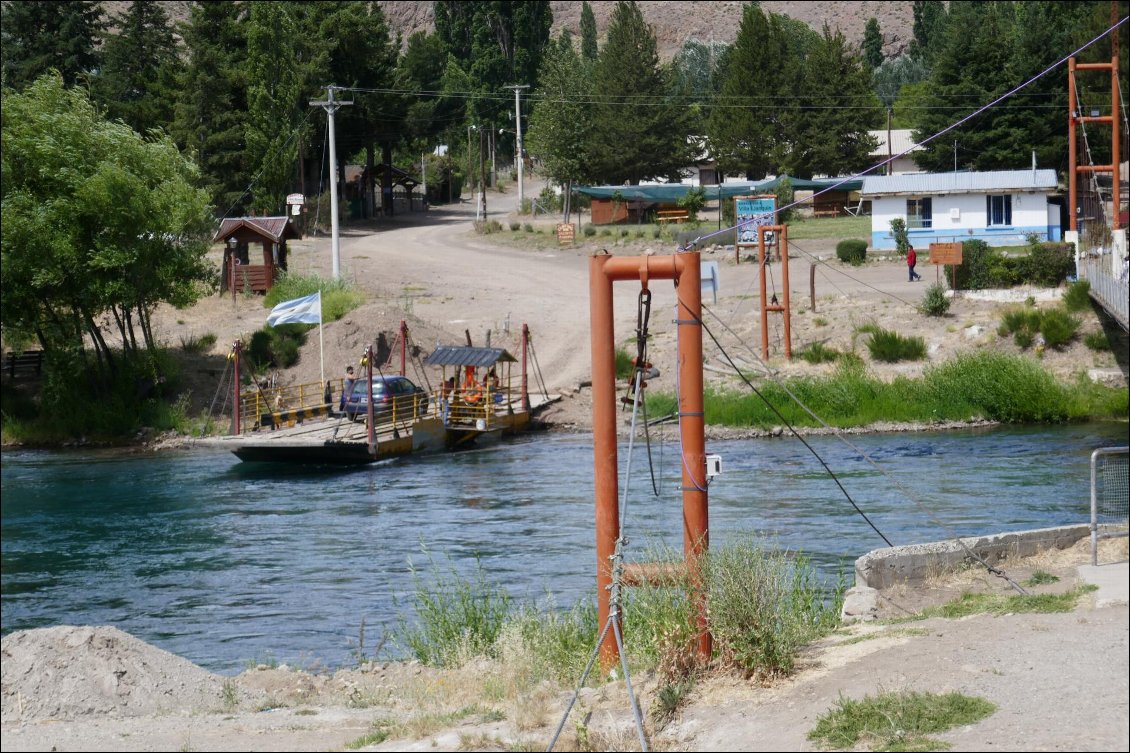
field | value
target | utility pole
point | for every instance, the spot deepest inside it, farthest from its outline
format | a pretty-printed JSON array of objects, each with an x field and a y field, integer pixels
[
  {"x": 518, "y": 131},
  {"x": 331, "y": 106},
  {"x": 482, "y": 175}
]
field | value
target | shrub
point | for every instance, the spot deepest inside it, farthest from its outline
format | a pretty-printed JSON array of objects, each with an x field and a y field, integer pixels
[
  {"x": 276, "y": 347},
  {"x": 998, "y": 387},
  {"x": 1046, "y": 264},
  {"x": 1077, "y": 297},
  {"x": 935, "y": 302},
  {"x": 606, "y": 231},
  {"x": 1058, "y": 327},
  {"x": 528, "y": 228},
  {"x": 339, "y": 297},
  {"x": 624, "y": 232},
  {"x": 197, "y": 345},
  {"x": 515, "y": 226},
  {"x": 891, "y": 347},
  {"x": 819, "y": 353},
  {"x": 693, "y": 201},
  {"x": 640, "y": 233},
  {"x": 852, "y": 251},
  {"x": 589, "y": 230},
  {"x": 902, "y": 238},
  {"x": 656, "y": 232},
  {"x": 1096, "y": 340}
]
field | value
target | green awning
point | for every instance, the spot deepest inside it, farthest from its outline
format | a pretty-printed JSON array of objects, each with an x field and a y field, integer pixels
[{"x": 669, "y": 193}]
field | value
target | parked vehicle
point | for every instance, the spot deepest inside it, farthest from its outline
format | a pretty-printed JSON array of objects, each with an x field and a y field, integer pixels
[{"x": 389, "y": 392}]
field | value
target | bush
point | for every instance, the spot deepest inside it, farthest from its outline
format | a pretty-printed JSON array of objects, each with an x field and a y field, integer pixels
[
  {"x": 1077, "y": 297},
  {"x": 1046, "y": 264},
  {"x": 902, "y": 238},
  {"x": 1058, "y": 327},
  {"x": 197, "y": 345},
  {"x": 276, "y": 347},
  {"x": 515, "y": 226},
  {"x": 852, "y": 251},
  {"x": 935, "y": 302},
  {"x": 891, "y": 347},
  {"x": 589, "y": 230},
  {"x": 339, "y": 297},
  {"x": 998, "y": 387},
  {"x": 625, "y": 232},
  {"x": 1096, "y": 340},
  {"x": 528, "y": 228},
  {"x": 818, "y": 353}
]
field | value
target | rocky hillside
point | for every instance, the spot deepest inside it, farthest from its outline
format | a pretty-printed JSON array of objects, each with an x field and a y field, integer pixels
[{"x": 675, "y": 22}]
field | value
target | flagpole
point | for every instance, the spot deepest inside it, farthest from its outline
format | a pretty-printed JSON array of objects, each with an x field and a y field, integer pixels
[{"x": 321, "y": 346}]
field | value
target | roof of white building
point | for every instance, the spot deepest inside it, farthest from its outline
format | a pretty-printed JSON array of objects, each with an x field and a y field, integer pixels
[
  {"x": 943, "y": 183},
  {"x": 901, "y": 141}
]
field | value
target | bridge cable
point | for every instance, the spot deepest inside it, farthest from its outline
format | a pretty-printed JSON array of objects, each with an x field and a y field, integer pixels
[{"x": 836, "y": 433}]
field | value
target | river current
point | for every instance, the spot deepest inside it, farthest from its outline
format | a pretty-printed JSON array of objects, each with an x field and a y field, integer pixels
[{"x": 225, "y": 563}]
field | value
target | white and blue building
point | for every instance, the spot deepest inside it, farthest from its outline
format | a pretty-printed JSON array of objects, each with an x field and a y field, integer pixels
[{"x": 1002, "y": 208}]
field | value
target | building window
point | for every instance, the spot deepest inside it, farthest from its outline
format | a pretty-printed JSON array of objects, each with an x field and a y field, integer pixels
[
  {"x": 998, "y": 210},
  {"x": 919, "y": 213}
]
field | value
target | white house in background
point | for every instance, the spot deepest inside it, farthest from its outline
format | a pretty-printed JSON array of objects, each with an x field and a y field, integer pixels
[
  {"x": 1001, "y": 208},
  {"x": 901, "y": 141}
]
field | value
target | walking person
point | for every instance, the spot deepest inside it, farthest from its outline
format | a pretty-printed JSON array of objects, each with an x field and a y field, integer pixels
[{"x": 911, "y": 261}]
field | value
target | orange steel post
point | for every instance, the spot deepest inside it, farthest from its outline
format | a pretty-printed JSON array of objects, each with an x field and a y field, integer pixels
[
  {"x": 782, "y": 231},
  {"x": 1072, "y": 198},
  {"x": 1116, "y": 145},
  {"x": 369, "y": 409},
  {"x": 403, "y": 347},
  {"x": 525, "y": 381},
  {"x": 684, "y": 268},
  {"x": 236, "y": 347}
]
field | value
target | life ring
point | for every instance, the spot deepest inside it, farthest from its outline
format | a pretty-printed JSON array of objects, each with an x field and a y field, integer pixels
[{"x": 473, "y": 394}]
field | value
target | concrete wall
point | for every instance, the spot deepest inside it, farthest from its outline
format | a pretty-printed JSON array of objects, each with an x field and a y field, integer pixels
[
  {"x": 961, "y": 217},
  {"x": 883, "y": 568}
]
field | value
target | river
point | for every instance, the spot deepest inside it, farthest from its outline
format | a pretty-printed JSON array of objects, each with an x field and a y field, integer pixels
[{"x": 225, "y": 563}]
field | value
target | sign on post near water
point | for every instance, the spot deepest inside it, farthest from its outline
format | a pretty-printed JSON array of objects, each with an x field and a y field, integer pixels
[{"x": 565, "y": 234}]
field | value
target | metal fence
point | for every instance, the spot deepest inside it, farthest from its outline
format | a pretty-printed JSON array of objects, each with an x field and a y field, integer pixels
[
  {"x": 1109, "y": 505},
  {"x": 1110, "y": 290}
]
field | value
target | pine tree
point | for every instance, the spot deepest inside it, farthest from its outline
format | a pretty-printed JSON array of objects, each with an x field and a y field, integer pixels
[
  {"x": 37, "y": 36},
  {"x": 873, "y": 43},
  {"x": 749, "y": 126},
  {"x": 275, "y": 108},
  {"x": 588, "y": 33},
  {"x": 211, "y": 114},
  {"x": 137, "y": 83},
  {"x": 831, "y": 136},
  {"x": 642, "y": 132}
]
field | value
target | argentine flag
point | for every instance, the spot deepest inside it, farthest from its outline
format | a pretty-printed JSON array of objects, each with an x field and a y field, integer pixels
[{"x": 307, "y": 310}]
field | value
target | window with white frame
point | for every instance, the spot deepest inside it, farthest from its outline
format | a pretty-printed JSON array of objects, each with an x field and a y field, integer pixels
[
  {"x": 998, "y": 210},
  {"x": 919, "y": 213}
]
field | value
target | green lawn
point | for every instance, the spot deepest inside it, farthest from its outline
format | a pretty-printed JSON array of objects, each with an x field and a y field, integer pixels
[{"x": 831, "y": 227}]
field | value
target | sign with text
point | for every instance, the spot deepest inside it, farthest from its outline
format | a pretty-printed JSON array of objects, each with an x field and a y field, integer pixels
[
  {"x": 945, "y": 253},
  {"x": 751, "y": 211},
  {"x": 565, "y": 234}
]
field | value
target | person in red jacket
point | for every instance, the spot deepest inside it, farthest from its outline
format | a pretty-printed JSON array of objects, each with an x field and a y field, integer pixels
[{"x": 911, "y": 260}]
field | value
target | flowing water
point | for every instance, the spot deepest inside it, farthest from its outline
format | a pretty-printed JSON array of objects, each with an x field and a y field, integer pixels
[{"x": 224, "y": 563}]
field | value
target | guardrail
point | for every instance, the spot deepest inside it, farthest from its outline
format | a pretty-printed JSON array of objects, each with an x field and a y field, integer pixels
[
  {"x": 1109, "y": 505},
  {"x": 1112, "y": 293},
  {"x": 286, "y": 406}
]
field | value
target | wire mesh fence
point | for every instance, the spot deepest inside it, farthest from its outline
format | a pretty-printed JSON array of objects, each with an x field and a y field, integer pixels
[{"x": 1110, "y": 503}]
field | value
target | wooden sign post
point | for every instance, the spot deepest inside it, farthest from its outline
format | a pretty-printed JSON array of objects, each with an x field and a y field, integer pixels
[
  {"x": 947, "y": 253},
  {"x": 566, "y": 233}
]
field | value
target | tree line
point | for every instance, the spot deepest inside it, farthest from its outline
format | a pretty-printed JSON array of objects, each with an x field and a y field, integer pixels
[{"x": 222, "y": 101}]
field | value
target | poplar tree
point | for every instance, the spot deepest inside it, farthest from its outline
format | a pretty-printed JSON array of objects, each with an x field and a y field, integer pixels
[
  {"x": 640, "y": 131},
  {"x": 211, "y": 113},
  {"x": 137, "y": 83},
  {"x": 589, "y": 49},
  {"x": 873, "y": 43},
  {"x": 37, "y": 36},
  {"x": 560, "y": 124}
]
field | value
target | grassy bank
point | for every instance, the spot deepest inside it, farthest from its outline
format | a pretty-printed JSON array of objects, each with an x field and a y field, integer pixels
[
  {"x": 765, "y": 604},
  {"x": 980, "y": 386}
]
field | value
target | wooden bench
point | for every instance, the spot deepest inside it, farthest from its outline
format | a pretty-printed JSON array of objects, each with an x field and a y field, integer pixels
[
  {"x": 29, "y": 363},
  {"x": 672, "y": 215},
  {"x": 826, "y": 209}
]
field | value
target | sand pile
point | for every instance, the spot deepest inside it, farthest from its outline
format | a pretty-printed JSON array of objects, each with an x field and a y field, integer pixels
[{"x": 67, "y": 672}]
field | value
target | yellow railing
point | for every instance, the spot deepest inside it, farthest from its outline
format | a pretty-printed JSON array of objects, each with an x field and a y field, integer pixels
[{"x": 285, "y": 405}]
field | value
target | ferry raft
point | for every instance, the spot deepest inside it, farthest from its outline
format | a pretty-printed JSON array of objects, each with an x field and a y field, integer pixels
[{"x": 477, "y": 401}]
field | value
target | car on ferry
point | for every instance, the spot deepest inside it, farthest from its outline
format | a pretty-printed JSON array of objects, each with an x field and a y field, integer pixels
[{"x": 389, "y": 392}]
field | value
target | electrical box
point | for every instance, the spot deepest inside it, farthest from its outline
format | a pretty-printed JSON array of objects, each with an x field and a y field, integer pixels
[{"x": 713, "y": 466}]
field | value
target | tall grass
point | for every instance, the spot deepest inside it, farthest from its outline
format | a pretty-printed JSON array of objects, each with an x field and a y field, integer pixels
[
  {"x": 891, "y": 347},
  {"x": 985, "y": 385},
  {"x": 339, "y": 297},
  {"x": 765, "y": 605}
]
